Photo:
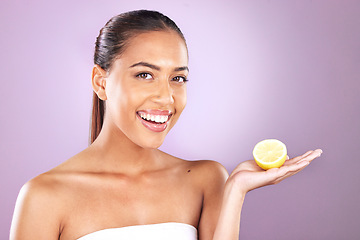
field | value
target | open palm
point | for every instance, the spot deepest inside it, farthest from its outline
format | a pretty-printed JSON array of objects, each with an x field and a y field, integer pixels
[{"x": 248, "y": 175}]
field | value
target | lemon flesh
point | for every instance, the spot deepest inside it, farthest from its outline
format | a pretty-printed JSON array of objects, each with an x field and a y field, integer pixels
[{"x": 270, "y": 153}]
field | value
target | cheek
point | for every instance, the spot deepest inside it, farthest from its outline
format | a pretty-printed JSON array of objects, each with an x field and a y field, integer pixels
[
  {"x": 123, "y": 94},
  {"x": 119, "y": 102},
  {"x": 180, "y": 98}
]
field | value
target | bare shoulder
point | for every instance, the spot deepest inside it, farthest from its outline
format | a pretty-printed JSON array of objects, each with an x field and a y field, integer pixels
[
  {"x": 41, "y": 187},
  {"x": 203, "y": 169},
  {"x": 210, "y": 170},
  {"x": 43, "y": 203},
  {"x": 38, "y": 209},
  {"x": 205, "y": 173},
  {"x": 202, "y": 172},
  {"x": 36, "y": 193}
]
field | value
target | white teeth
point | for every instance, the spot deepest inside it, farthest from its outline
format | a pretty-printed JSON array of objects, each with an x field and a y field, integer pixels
[
  {"x": 154, "y": 118},
  {"x": 164, "y": 118}
]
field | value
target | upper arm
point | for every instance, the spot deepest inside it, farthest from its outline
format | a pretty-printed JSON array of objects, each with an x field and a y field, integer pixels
[
  {"x": 214, "y": 176},
  {"x": 35, "y": 216}
]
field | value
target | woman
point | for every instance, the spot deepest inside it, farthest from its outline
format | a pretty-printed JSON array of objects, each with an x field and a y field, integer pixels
[{"x": 122, "y": 186}]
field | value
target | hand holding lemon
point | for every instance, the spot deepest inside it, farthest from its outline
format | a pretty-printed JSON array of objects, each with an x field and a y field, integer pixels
[{"x": 271, "y": 155}]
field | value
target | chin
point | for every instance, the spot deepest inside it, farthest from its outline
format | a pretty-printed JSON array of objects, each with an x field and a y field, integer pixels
[
  {"x": 151, "y": 142},
  {"x": 153, "y": 145}
]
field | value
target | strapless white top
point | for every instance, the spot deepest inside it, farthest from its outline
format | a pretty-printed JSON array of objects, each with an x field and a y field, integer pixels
[{"x": 159, "y": 231}]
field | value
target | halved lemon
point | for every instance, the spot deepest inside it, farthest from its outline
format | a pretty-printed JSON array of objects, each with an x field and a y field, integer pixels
[{"x": 270, "y": 153}]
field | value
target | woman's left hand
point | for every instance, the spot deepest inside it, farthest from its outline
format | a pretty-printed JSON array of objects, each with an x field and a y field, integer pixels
[{"x": 248, "y": 175}]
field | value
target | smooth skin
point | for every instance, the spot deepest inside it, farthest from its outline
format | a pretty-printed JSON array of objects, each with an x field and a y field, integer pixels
[{"x": 122, "y": 179}]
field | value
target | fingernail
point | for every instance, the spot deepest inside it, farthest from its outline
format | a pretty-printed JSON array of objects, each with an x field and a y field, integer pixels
[{"x": 320, "y": 152}]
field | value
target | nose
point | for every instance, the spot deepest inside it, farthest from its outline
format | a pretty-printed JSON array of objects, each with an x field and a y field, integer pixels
[{"x": 164, "y": 93}]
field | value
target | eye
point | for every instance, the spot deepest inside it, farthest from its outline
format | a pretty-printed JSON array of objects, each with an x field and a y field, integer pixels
[
  {"x": 180, "y": 79},
  {"x": 145, "y": 76}
]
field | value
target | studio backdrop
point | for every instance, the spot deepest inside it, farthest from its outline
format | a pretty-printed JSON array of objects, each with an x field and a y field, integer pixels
[{"x": 258, "y": 69}]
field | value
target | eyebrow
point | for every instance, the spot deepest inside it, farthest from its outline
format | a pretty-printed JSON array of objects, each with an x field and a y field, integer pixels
[{"x": 149, "y": 65}]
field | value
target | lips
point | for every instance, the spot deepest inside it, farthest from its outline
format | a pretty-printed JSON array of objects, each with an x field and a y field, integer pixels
[{"x": 155, "y": 120}]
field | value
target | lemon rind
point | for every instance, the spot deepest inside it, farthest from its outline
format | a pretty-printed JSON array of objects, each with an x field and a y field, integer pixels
[{"x": 275, "y": 164}]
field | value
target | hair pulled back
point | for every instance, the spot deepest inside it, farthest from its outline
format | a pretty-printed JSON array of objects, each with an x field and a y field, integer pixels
[{"x": 111, "y": 43}]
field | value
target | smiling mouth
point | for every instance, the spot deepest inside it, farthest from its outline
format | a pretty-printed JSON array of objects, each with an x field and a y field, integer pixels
[{"x": 155, "y": 120}]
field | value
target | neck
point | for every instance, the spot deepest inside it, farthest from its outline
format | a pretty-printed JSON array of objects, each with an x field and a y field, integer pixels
[{"x": 115, "y": 152}]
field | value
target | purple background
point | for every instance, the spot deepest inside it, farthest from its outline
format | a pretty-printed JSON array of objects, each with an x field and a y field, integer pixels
[{"x": 258, "y": 69}]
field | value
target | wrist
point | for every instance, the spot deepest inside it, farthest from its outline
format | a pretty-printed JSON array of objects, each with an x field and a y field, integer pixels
[{"x": 234, "y": 190}]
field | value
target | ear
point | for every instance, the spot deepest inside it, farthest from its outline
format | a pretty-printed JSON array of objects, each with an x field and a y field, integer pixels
[{"x": 98, "y": 81}]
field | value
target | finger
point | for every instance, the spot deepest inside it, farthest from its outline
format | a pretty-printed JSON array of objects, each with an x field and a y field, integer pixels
[
  {"x": 304, "y": 156},
  {"x": 298, "y": 166},
  {"x": 294, "y": 167},
  {"x": 289, "y": 174},
  {"x": 290, "y": 171},
  {"x": 307, "y": 153},
  {"x": 296, "y": 159},
  {"x": 312, "y": 156},
  {"x": 274, "y": 174}
]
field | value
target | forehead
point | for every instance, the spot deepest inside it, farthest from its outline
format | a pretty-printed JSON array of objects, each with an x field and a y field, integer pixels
[{"x": 157, "y": 47}]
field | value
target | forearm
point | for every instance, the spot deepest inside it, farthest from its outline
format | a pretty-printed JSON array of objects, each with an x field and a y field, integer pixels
[{"x": 228, "y": 225}]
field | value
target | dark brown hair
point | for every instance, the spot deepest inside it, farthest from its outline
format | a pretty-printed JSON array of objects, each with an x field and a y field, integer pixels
[{"x": 111, "y": 43}]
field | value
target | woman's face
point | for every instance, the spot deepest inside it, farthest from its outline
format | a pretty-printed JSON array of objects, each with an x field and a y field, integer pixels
[{"x": 146, "y": 89}]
